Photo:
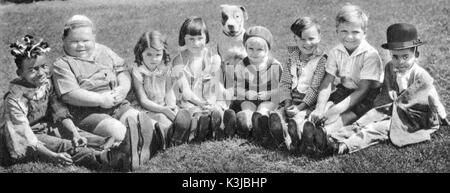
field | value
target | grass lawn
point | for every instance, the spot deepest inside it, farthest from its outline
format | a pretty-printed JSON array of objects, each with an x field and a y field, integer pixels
[{"x": 120, "y": 23}]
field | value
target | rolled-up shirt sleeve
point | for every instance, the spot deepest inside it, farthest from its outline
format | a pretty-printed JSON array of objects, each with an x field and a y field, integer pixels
[
  {"x": 59, "y": 109},
  {"x": 63, "y": 78},
  {"x": 331, "y": 64},
  {"x": 18, "y": 134}
]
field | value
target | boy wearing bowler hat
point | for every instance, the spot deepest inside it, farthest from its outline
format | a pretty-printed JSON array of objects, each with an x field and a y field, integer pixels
[{"x": 415, "y": 111}]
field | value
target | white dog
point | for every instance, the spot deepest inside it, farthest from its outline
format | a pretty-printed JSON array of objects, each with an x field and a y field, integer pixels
[{"x": 230, "y": 46}]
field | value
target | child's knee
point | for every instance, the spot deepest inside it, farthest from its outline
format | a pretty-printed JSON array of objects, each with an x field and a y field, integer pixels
[
  {"x": 111, "y": 128},
  {"x": 266, "y": 107},
  {"x": 247, "y": 105},
  {"x": 129, "y": 113}
]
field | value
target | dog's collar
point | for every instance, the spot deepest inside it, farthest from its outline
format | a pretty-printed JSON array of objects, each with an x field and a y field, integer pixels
[{"x": 237, "y": 35}]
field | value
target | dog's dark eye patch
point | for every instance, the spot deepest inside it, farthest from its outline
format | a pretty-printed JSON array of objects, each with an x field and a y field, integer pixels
[{"x": 224, "y": 18}]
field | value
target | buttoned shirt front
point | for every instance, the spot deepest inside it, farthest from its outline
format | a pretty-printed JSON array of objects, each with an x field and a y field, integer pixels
[
  {"x": 363, "y": 64},
  {"x": 97, "y": 74}
]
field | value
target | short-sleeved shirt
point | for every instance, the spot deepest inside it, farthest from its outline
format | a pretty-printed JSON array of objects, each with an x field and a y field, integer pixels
[
  {"x": 97, "y": 74},
  {"x": 156, "y": 83},
  {"x": 363, "y": 64}
]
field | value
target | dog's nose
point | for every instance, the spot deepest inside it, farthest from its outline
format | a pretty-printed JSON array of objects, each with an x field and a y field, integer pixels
[{"x": 231, "y": 27}]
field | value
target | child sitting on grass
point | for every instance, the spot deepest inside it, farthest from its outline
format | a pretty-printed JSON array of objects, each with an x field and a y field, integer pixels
[
  {"x": 416, "y": 111},
  {"x": 356, "y": 66},
  {"x": 152, "y": 81},
  {"x": 196, "y": 70},
  {"x": 94, "y": 81},
  {"x": 256, "y": 85},
  {"x": 31, "y": 110},
  {"x": 300, "y": 81}
]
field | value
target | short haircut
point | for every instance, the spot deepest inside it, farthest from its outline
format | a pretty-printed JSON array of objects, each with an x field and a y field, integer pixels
[
  {"x": 352, "y": 13},
  {"x": 193, "y": 26},
  {"x": 77, "y": 21},
  {"x": 302, "y": 24},
  {"x": 151, "y": 39}
]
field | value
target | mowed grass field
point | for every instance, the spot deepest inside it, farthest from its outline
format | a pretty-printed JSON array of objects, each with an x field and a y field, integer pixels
[{"x": 120, "y": 23}]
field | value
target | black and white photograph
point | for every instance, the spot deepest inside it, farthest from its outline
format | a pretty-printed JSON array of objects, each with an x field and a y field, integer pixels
[{"x": 224, "y": 86}]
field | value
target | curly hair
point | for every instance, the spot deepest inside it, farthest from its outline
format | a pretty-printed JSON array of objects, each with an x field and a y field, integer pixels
[
  {"x": 29, "y": 49},
  {"x": 151, "y": 39}
]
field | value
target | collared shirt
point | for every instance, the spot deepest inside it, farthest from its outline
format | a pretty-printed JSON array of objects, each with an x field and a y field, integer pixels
[
  {"x": 157, "y": 84},
  {"x": 24, "y": 109},
  {"x": 363, "y": 64},
  {"x": 97, "y": 74},
  {"x": 305, "y": 75}
]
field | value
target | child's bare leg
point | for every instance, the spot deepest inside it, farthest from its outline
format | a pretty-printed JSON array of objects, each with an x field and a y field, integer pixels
[
  {"x": 265, "y": 107},
  {"x": 111, "y": 127},
  {"x": 244, "y": 123}
]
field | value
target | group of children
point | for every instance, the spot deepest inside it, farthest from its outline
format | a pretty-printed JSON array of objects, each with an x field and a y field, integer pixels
[{"x": 316, "y": 103}]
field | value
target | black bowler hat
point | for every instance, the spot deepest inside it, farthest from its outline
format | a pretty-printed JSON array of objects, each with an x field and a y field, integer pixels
[{"x": 401, "y": 36}]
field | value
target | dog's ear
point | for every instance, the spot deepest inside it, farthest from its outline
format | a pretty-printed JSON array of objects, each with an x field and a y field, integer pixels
[{"x": 244, "y": 11}]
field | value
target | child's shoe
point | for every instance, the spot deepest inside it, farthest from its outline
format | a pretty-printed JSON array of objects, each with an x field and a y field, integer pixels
[
  {"x": 180, "y": 130},
  {"x": 307, "y": 138},
  {"x": 256, "y": 132},
  {"x": 229, "y": 120},
  {"x": 293, "y": 134},
  {"x": 277, "y": 131},
  {"x": 203, "y": 128},
  {"x": 320, "y": 136},
  {"x": 216, "y": 120},
  {"x": 242, "y": 129}
]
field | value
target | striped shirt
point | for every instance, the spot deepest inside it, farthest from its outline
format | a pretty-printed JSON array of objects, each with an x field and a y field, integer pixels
[
  {"x": 249, "y": 77},
  {"x": 296, "y": 68}
]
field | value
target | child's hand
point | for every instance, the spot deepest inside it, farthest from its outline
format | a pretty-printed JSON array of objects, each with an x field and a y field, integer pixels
[
  {"x": 291, "y": 111},
  {"x": 78, "y": 141},
  {"x": 120, "y": 94},
  {"x": 62, "y": 158},
  {"x": 316, "y": 116},
  {"x": 264, "y": 95},
  {"x": 252, "y": 95},
  {"x": 169, "y": 113},
  {"x": 172, "y": 107},
  {"x": 392, "y": 94},
  {"x": 108, "y": 100},
  {"x": 330, "y": 116},
  {"x": 207, "y": 106}
]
